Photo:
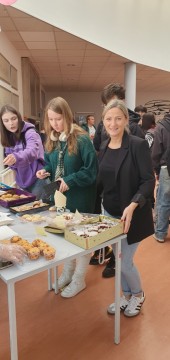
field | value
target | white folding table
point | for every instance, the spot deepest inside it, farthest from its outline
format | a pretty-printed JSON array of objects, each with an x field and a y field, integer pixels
[{"x": 64, "y": 251}]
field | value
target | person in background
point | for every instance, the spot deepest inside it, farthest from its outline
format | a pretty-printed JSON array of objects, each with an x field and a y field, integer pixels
[
  {"x": 161, "y": 164},
  {"x": 70, "y": 157},
  {"x": 43, "y": 136},
  {"x": 23, "y": 150},
  {"x": 110, "y": 92},
  {"x": 148, "y": 126},
  {"x": 126, "y": 181},
  {"x": 13, "y": 253},
  {"x": 141, "y": 110},
  {"x": 89, "y": 126}
]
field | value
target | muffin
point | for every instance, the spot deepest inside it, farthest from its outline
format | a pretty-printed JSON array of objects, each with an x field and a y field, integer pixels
[
  {"x": 49, "y": 253},
  {"x": 15, "y": 239},
  {"x": 34, "y": 253},
  {"x": 37, "y": 242}
]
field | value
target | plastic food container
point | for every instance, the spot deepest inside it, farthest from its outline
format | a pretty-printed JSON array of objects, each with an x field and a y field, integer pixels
[
  {"x": 28, "y": 197},
  {"x": 30, "y": 208}
]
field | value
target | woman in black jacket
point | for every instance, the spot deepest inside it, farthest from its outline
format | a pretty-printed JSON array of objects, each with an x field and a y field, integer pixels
[{"x": 126, "y": 182}]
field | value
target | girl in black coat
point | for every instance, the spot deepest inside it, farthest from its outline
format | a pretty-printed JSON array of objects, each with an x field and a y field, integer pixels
[{"x": 126, "y": 181}]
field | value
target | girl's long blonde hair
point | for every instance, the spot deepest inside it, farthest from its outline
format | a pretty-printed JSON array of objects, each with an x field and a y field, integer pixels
[{"x": 60, "y": 106}]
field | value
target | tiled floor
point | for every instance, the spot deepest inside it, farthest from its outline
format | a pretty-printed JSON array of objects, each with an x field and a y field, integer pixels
[{"x": 50, "y": 327}]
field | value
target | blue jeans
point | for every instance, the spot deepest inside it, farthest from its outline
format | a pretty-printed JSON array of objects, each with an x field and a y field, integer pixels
[
  {"x": 38, "y": 188},
  {"x": 163, "y": 205},
  {"x": 130, "y": 278}
]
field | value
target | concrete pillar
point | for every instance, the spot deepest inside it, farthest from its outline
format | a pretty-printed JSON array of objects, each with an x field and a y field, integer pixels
[{"x": 130, "y": 85}]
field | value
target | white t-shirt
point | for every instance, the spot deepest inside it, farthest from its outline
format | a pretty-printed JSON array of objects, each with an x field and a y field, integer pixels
[{"x": 92, "y": 131}]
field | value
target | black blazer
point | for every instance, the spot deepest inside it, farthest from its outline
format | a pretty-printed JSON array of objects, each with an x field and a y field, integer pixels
[{"x": 135, "y": 180}]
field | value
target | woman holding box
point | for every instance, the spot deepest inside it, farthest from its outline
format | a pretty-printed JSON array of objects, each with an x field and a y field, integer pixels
[{"x": 126, "y": 182}]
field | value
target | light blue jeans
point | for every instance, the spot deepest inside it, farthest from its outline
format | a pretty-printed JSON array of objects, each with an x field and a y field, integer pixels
[
  {"x": 130, "y": 278},
  {"x": 162, "y": 205}
]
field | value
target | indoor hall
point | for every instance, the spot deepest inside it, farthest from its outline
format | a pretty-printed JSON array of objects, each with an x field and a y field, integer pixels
[
  {"x": 83, "y": 329},
  {"x": 50, "y": 327}
]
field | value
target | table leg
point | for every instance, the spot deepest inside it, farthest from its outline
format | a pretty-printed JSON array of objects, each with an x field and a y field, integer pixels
[
  {"x": 12, "y": 321},
  {"x": 56, "y": 279},
  {"x": 117, "y": 292},
  {"x": 49, "y": 279}
]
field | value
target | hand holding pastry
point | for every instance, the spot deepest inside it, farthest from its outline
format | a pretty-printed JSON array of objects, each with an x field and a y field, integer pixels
[{"x": 42, "y": 174}]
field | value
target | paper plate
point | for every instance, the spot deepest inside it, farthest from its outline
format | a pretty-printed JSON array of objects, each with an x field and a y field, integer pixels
[{"x": 53, "y": 230}]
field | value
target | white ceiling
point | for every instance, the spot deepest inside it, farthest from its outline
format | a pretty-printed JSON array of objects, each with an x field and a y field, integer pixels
[{"x": 66, "y": 62}]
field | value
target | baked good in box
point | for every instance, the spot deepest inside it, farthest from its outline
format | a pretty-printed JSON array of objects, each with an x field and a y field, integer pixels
[
  {"x": 11, "y": 196},
  {"x": 49, "y": 253},
  {"x": 34, "y": 253}
]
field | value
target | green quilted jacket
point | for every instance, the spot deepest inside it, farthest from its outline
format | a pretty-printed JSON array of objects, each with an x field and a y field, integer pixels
[{"x": 80, "y": 172}]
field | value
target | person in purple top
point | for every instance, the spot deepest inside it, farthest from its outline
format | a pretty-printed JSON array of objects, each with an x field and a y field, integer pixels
[{"x": 24, "y": 151}]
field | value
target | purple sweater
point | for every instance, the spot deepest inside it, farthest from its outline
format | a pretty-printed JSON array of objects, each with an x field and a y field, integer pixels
[{"x": 29, "y": 159}]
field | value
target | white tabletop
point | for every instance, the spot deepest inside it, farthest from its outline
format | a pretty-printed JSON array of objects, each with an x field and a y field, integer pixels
[{"x": 64, "y": 251}]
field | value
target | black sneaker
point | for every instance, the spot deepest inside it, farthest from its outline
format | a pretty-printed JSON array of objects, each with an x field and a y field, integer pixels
[
  {"x": 109, "y": 270},
  {"x": 95, "y": 258}
]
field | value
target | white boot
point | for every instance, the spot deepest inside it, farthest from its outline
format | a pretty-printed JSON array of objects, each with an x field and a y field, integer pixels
[
  {"x": 78, "y": 280},
  {"x": 66, "y": 275}
]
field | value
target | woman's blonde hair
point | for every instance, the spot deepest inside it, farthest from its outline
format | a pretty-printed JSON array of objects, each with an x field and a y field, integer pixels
[
  {"x": 60, "y": 106},
  {"x": 116, "y": 103}
]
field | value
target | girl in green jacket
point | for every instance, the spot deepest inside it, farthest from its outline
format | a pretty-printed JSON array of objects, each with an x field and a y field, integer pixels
[{"x": 70, "y": 157}]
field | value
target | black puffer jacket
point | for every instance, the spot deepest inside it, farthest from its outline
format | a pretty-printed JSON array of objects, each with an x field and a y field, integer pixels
[
  {"x": 134, "y": 128},
  {"x": 161, "y": 146}
]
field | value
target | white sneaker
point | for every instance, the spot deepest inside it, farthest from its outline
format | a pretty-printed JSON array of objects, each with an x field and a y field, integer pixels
[
  {"x": 123, "y": 305},
  {"x": 63, "y": 280},
  {"x": 158, "y": 239},
  {"x": 134, "y": 306},
  {"x": 73, "y": 289}
]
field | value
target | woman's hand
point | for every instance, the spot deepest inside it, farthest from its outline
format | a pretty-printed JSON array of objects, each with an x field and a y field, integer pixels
[
  {"x": 42, "y": 174},
  {"x": 14, "y": 253},
  {"x": 63, "y": 186},
  {"x": 127, "y": 216},
  {"x": 9, "y": 160}
]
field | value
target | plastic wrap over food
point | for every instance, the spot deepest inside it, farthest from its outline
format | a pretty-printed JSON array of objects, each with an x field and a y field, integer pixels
[{"x": 61, "y": 221}]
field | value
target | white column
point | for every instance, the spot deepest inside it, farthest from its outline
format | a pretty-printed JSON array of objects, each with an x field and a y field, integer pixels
[
  {"x": 130, "y": 85},
  {"x": 1, "y": 157}
]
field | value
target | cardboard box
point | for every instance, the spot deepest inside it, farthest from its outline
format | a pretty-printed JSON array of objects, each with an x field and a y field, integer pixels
[{"x": 89, "y": 242}]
